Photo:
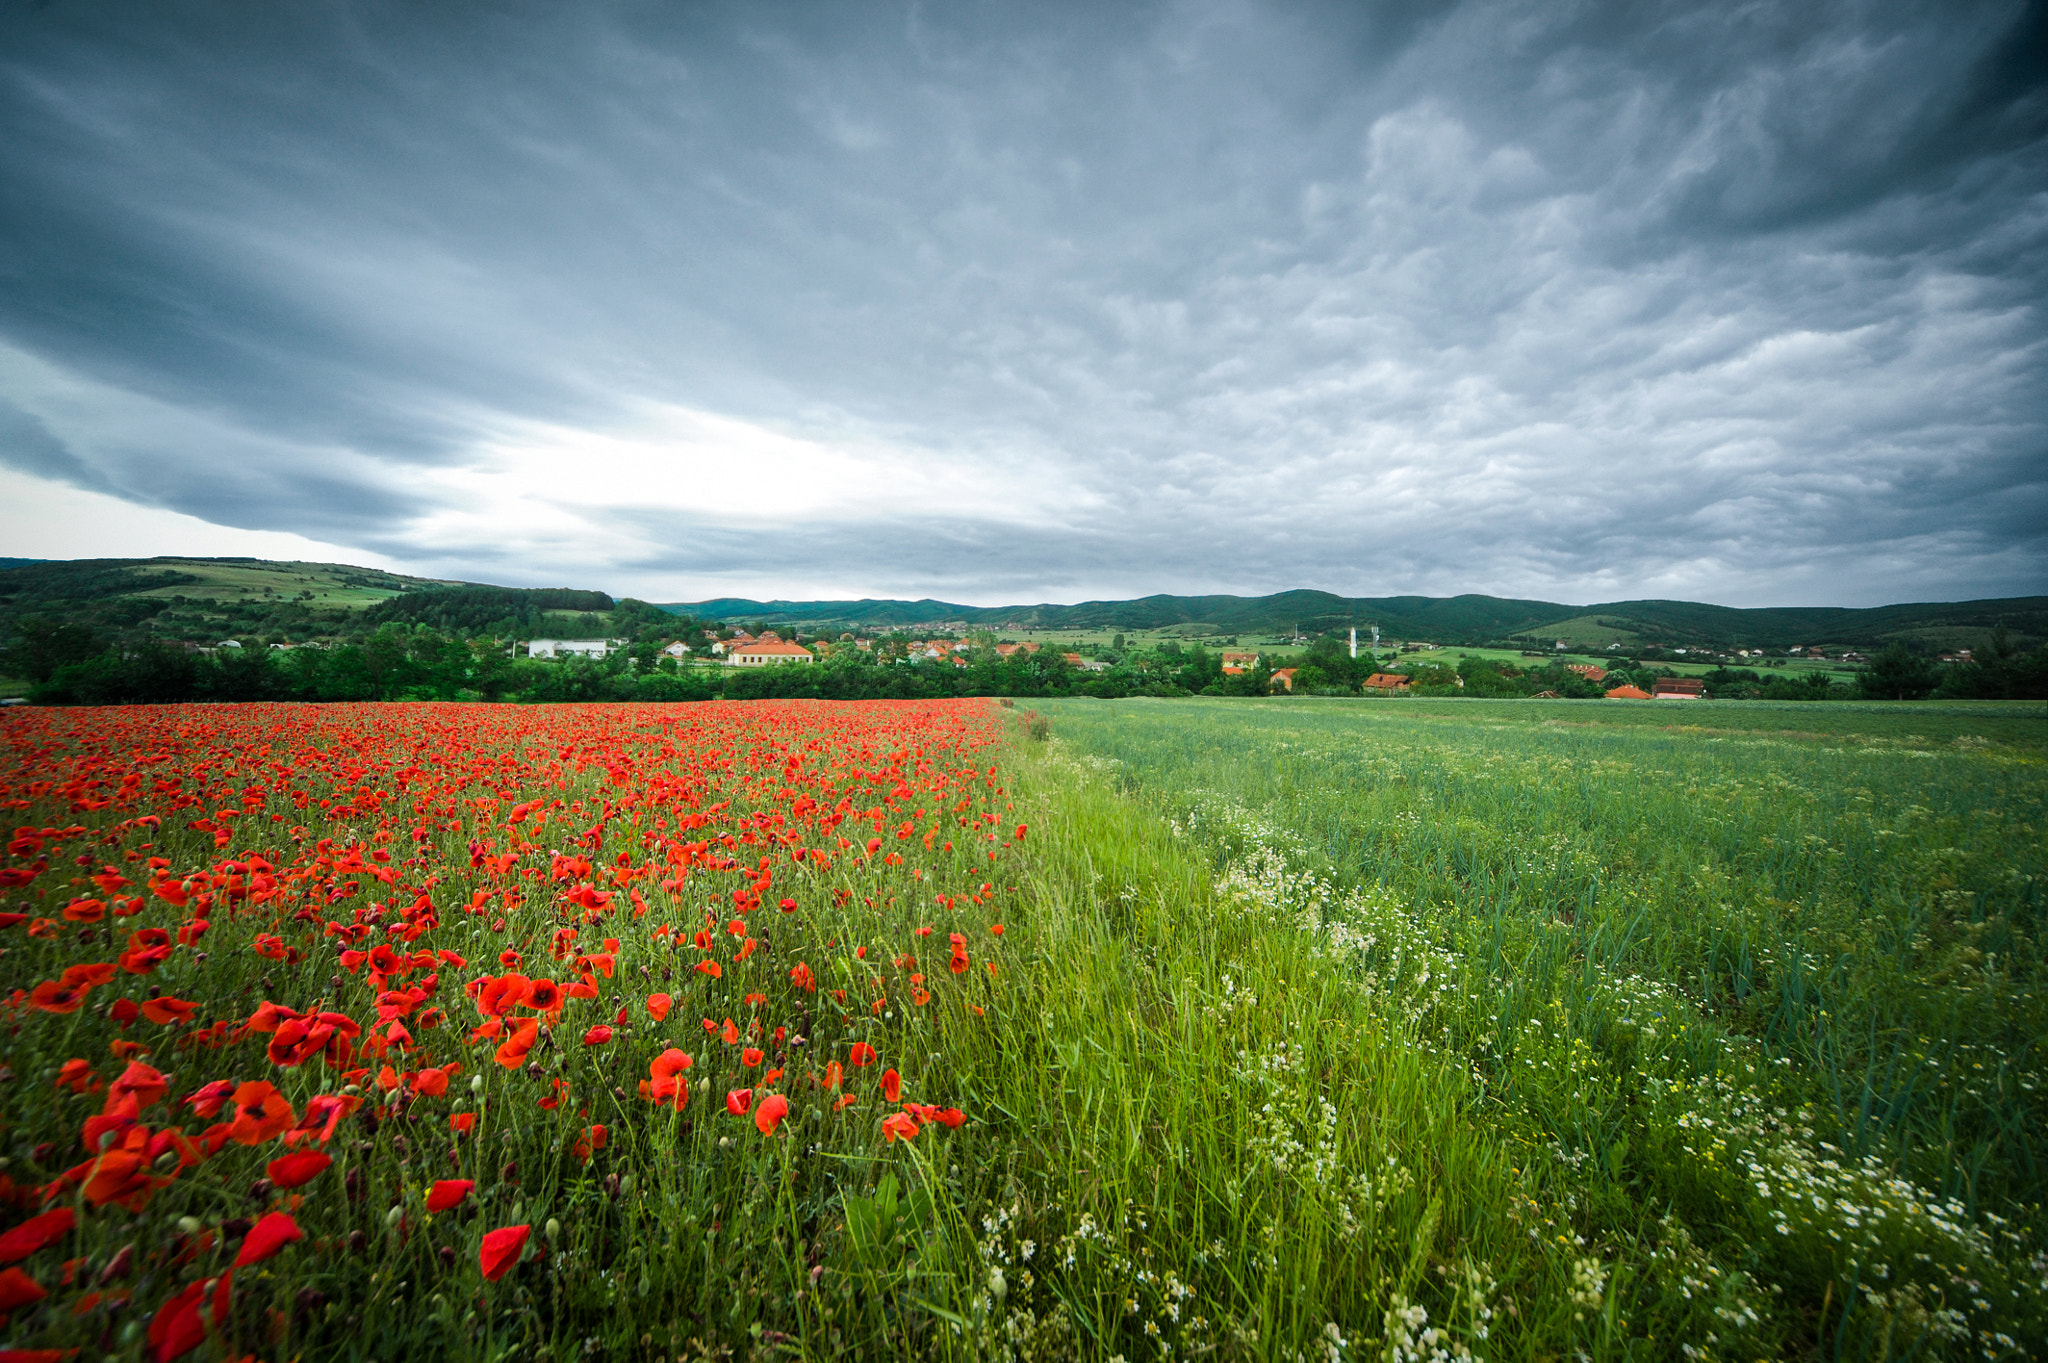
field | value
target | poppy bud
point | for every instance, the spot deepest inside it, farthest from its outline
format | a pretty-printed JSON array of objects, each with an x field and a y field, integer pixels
[
  {"x": 393, "y": 1217},
  {"x": 476, "y": 1085},
  {"x": 190, "y": 1225},
  {"x": 554, "y": 1229}
]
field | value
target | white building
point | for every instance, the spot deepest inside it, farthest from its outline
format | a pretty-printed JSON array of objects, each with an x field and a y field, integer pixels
[
  {"x": 678, "y": 650},
  {"x": 758, "y": 654},
  {"x": 571, "y": 648}
]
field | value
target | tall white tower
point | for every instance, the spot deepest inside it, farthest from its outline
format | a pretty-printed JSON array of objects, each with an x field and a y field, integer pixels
[{"x": 1354, "y": 641}]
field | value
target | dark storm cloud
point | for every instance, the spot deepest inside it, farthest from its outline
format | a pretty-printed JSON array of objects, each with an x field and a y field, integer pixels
[{"x": 1737, "y": 302}]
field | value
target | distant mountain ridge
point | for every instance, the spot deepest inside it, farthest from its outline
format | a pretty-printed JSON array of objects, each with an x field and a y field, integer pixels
[
  {"x": 1467, "y": 619},
  {"x": 114, "y": 585}
]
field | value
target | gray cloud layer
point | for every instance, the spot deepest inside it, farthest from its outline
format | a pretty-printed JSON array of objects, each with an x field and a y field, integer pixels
[{"x": 1580, "y": 301}]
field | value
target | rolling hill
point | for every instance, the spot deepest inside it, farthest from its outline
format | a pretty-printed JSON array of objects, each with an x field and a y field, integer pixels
[
  {"x": 1469, "y": 619},
  {"x": 241, "y": 595}
]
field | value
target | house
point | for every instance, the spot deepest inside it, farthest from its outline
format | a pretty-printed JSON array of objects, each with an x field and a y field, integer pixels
[
  {"x": 1237, "y": 663},
  {"x": 1677, "y": 688},
  {"x": 677, "y": 650},
  {"x": 1284, "y": 678},
  {"x": 1592, "y": 672},
  {"x": 727, "y": 645},
  {"x": 1544, "y": 695},
  {"x": 568, "y": 648},
  {"x": 1390, "y": 683},
  {"x": 759, "y": 654},
  {"x": 1628, "y": 693}
]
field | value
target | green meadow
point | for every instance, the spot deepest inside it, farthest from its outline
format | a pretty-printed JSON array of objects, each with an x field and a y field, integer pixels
[{"x": 1580, "y": 1031}]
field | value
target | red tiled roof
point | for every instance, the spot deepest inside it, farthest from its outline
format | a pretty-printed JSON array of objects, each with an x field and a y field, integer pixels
[{"x": 1628, "y": 693}]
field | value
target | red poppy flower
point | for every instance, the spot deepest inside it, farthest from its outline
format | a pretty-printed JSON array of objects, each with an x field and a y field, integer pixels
[
  {"x": 861, "y": 1054},
  {"x": 140, "y": 1084},
  {"x": 167, "y": 1010},
  {"x": 752, "y": 1056},
  {"x": 52, "y": 997},
  {"x": 770, "y": 1113},
  {"x": 177, "y": 1328},
  {"x": 668, "y": 1085},
  {"x": 17, "y": 1289},
  {"x": 787, "y": 906},
  {"x": 448, "y": 1192},
  {"x": 598, "y": 1035},
  {"x": 298, "y": 1168},
  {"x": 500, "y": 993},
  {"x": 711, "y": 968},
  {"x": 261, "y": 1114},
  {"x": 892, "y": 1085},
  {"x": 267, "y": 1237},
  {"x": 36, "y": 1233},
  {"x": 543, "y": 996},
  {"x": 738, "y": 1101},
  {"x": 898, "y": 1125},
  {"x": 658, "y": 1006},
  {"x": 501, "y": 1250},
  {"x": 462, "y": 1122}
]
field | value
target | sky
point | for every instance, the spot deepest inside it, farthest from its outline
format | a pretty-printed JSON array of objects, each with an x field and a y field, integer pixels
[{"x": 1007, "y": 303}]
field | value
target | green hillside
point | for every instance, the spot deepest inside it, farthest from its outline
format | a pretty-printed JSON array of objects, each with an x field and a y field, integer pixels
[{"x": 1470, "y": 619}]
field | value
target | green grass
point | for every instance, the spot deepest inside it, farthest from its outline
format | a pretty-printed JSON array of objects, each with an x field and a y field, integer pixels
[
  {"x": 1692, "y": 977},
  {"x": 330, "y": 584}
]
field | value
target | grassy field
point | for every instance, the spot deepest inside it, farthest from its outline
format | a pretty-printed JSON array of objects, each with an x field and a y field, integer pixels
[
  {"x": 1740, "y": 1018},
  {"x": 330, "y": 584},
  {"x": 1290, "y": 1030}
]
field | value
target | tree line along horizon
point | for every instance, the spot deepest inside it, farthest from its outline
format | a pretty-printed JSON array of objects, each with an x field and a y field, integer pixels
[{"x": 459, "y": 643}]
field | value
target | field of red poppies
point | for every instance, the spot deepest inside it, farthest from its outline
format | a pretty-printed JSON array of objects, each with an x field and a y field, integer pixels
[{"x": 347, "y": 1030}]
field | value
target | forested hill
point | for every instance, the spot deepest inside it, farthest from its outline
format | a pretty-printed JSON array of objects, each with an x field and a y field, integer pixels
[
  {"x": 205, "y": 599},
  {"x": 1467, "y": 619}
]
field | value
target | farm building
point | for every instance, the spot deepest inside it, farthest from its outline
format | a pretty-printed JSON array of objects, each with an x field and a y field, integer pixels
[
  {"x": 1392, "y": 683},
  {"x": 758, "y": 654},
  {"x": 1677, "y": 688},
  {"x": 569, "y": 648},
  {"x": 1284, "y": 678},
  {"x": 1628, "y": 693}
]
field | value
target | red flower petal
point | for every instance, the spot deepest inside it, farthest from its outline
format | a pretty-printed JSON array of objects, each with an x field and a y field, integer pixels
[{"x": 267, "y": 1237}]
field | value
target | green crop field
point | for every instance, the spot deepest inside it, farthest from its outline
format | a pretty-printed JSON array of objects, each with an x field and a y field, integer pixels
[{"x": 1721, "y": 1038}]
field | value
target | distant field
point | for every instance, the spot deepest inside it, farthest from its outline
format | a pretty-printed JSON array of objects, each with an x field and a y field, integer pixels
[{"x": 329, "y": 584}]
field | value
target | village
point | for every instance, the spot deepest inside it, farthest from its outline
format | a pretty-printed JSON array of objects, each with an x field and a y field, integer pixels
[{"x": 1287, "y": 664}]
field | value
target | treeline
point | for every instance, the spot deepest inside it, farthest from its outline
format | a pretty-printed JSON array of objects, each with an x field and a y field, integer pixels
[
  {"x": 498, "y": 610},
  {"x": 409, "y": 662},
  {"x": 414, "y": 662}
]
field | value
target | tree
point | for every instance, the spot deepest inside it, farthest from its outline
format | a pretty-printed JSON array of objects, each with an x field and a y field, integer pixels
[
  {"x": 41, "y": 646},
  {"x": 1898, "y": 673}
]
